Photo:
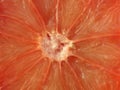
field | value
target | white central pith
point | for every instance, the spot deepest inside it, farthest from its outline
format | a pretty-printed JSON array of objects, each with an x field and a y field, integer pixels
[{"x": 55, "y": 46}]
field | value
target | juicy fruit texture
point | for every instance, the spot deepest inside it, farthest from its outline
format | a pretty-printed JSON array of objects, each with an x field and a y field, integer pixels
[{"x": 83, "y": 53}]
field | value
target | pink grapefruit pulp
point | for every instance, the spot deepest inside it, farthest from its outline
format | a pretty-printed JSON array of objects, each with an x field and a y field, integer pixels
[{"x": 59, "y": 45}]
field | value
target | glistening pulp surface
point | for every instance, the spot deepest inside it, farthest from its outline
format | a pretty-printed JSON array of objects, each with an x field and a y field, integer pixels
[{"x": 88, "y": 29}]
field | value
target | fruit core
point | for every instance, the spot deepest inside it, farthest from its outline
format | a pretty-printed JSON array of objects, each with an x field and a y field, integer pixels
[{"x": 56, "y": 46}]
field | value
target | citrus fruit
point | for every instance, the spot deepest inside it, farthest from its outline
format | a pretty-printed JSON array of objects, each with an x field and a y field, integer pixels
[{"x": 59, "y": 44}]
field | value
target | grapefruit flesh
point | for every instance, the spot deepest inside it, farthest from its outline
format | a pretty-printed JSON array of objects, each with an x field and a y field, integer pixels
[{"x": 59, "y": 44}]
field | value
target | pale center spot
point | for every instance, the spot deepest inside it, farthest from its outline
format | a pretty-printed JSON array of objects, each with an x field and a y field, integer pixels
[{"x": 56, "y": 46}]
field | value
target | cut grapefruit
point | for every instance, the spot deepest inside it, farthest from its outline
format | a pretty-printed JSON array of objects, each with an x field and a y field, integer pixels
[{"x": 59, "y": 45}]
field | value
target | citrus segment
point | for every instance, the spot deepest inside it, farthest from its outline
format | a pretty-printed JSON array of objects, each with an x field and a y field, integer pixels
[
  {"x": 13, "y": 49},
  {"x": 70, "y": 78},
  {"x": 30, "y": 79},
  {"x": 102, "y": 19},
  {"x": 46, "y": 9},
  {"x": 53, "y": 81},
  {"x": 21, "y": 10},
  {"x": 18, "y": 28}
]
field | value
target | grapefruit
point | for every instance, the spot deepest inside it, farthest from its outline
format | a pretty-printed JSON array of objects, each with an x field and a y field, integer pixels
[{"x": 59, "y": 45}]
